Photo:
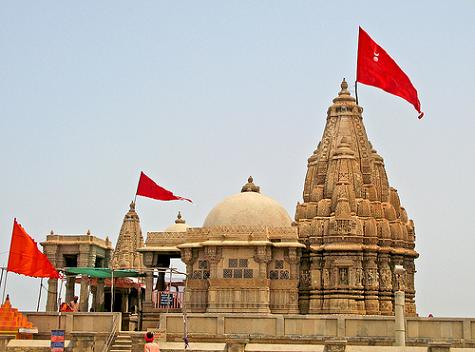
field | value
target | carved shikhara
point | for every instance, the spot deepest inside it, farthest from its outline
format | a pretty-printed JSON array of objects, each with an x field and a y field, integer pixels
[
  {"x": 352, "y": 223},
  {"x": 130, "y": 239}
]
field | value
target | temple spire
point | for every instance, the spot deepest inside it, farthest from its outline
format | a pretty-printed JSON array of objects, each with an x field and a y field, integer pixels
[
  {"x": 130, "y": 238},
  {"x": 348, "y": 206}
]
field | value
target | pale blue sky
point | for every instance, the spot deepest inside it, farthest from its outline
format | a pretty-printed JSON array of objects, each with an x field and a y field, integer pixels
[{"x": 202, "y": 94}]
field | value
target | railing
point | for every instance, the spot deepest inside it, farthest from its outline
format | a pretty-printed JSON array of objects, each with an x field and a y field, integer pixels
[
  {"x": 111, "y": 336},
  {"x": 167, "y": 299}
]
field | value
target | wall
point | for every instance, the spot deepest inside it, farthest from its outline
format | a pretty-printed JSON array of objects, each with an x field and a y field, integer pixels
[{"x": 366, "y": 330}]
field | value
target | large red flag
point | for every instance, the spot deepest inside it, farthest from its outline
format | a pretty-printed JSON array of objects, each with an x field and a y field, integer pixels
[
  {"x": 376, "y": 68},
  {"x": 25, "y": 257},
  {"x": 148, "y": 188}
]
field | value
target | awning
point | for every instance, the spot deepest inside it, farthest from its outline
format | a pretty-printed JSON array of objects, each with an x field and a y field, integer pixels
[{"x": 102, "y": 273}]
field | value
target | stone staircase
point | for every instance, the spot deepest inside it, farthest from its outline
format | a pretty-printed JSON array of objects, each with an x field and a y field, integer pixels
[{"x": 122, "y": 343}]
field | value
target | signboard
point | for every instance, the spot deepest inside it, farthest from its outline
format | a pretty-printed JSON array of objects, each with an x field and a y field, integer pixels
[
  {"x": 166, "y": 299},
  {"x": 57, "y": 340}
]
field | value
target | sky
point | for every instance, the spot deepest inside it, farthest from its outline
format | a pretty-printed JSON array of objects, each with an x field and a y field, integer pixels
[{"x": 201, "y": 94}]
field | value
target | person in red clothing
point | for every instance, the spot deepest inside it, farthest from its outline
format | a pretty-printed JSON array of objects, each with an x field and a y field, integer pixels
[{"x": 150, "y": 346}]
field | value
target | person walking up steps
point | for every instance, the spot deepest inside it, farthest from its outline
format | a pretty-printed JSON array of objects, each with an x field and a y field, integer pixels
[{"x": 150, "y": 346}]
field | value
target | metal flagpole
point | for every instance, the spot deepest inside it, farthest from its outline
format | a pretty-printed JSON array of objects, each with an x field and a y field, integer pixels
[
  {"x": 112, "y": 290},
  {"x": 5, "y": 287},
  {"x": 39, "y": 296},
  {"x": 1, "y": 277},
  {"x": 356, "y": 91}
]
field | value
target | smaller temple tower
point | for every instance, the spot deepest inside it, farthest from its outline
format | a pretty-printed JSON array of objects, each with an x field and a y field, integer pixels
[{"x": 130, "y": 239}]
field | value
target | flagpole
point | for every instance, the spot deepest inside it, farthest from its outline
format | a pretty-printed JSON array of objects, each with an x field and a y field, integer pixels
[
  {"x": 356, "y": 91},
  {"x": 112, "y": 290},
  {"x": 5, "y": 287},
  {"x": 1, "y": 277},
  {"x": 39, "y": 296},
  {"x": 140, "y": 177},
  {"x": 6, "y": 273}
]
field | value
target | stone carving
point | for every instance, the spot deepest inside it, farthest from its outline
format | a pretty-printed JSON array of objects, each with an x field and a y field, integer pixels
[
  {"x": 362, "y": 214},
  {"x": 125, "y": 255}
]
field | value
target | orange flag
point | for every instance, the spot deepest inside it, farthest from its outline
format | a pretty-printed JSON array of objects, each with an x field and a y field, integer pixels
[{"x": 25, "y": 257}]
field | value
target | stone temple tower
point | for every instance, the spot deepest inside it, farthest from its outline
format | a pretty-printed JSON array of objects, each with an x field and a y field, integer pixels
[
  {"x": 352, "y": 223},
  {"x": 130, "y": 238}
]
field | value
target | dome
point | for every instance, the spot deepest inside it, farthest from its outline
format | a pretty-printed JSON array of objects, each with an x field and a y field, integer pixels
[
  {"x": 179, "y": 225},
  {"x": 248, "y": 208}
]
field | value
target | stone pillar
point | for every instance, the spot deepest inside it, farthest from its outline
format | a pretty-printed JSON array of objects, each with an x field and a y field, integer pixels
[
  {"x": 148, "y": 289},
  {"x": 125, "y": 301},
  {"x": 160, "y": 285},
  {"x": 399, "y": 324},
  {"x": 52, "y": 300},
  {"x": 84, "y": 299},
  {"x": 100, "y": 295},
  {"x": 70, "y": 281}
]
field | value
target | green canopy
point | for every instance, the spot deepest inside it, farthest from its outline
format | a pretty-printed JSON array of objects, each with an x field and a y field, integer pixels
[{"x": 102, "y": 273}]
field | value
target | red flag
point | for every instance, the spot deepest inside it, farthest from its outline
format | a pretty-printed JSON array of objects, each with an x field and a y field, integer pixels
[
  {"x": 148, "y": 188},
  {"x": 25, "y": 257},
  {"x": 376, "y": 68}
]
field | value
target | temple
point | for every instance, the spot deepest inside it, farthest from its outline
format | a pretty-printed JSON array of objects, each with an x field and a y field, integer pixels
[
  {"x": 352, "y": 223},
  {"x": 335, "y": 270}
]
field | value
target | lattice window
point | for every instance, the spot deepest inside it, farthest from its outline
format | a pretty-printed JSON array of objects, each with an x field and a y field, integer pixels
[
  {"x": 205, "y": 275},
  {"x": 284, "y": 275},
  {"x": 228, "y": 273},
  {"x": 238, "y": 273},
  {"x": 243, "y": 263},
  {"x": 233, "y": 263},
  {"x": 279, "y": 264},
  {"x": 197, "y": 274},
  {"x": 203, "y": 264},
  {"x": 248, "y": 273},
  {"x": 274, "y": 274}
]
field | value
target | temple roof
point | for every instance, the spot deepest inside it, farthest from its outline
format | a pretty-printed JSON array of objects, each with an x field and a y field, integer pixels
[
  {"x": 130, "y": 238},
  {"x": 180, "y": 225},
  {"x": 248, "y": 208},
  {"x": 346, "y": 180}
]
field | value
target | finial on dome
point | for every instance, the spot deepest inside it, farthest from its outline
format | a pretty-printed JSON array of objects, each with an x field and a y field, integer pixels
[
  {"x": 179, "y": 220},
  {"x": 132, "y": 205},
  {"x": 51, "y": 232},
  {"x": 250, "y": 186},
  {"x": 88, "y": 232}
]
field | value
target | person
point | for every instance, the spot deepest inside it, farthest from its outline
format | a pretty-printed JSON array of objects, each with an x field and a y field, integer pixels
[
  {"x": 64, "y": 307},
  {"x": 150, "y": 346},
  {"x": 74, "y": 304}
]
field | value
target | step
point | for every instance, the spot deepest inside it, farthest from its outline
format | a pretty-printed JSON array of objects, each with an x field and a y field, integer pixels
[
  {"x": 194, "y": 346},
  {"x": 122, "y": 343},
  {"x": 271, "y": 347}
]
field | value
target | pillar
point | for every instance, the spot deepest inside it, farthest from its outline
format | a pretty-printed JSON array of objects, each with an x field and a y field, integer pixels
[
  {"x": 125, "y": 301},
  {"x": 399, "y": 326},
  {"x": 100, "y": 295},
  {"x": 70, "y": 281},
  {"x": 84, "y": 299},
  {"x": 52, "y": 299},
  {"x": 148, "y": 289}
]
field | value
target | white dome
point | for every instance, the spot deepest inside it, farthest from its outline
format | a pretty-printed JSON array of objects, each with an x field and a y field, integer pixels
[
  {"x": 179, "y": 225},
  {"x": 176, "y": 228},
  {"x": 248, "y": 209}
]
